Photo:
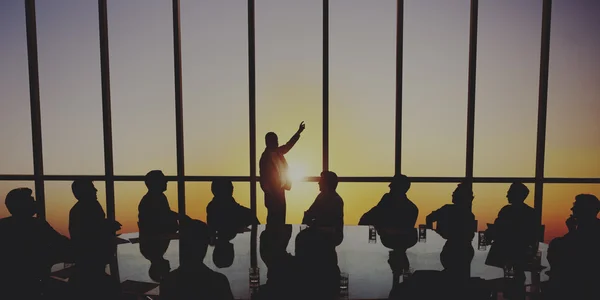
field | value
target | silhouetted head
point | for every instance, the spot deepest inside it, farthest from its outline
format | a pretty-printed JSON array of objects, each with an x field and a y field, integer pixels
[
  {"x": 328, "y": 181},
  {"x": 517, "y": 193},
  {"x": 223, "y": 255},
  {"x": 586, "y": 207},
  {"x": 20, "y": 203},
  {"x": 159, "y": 269},
  {"x": 274, "y": 241},
  {"x": 222, "y": 188},
  {"x": 400, "y": 184},
  {"x": 463, "y": 194},
  {"x": 194, "y": 239},
  {"x": 84, "y": 190},
  {"x": 156, "y": 181},
  {"x": 271, "y": 140}
]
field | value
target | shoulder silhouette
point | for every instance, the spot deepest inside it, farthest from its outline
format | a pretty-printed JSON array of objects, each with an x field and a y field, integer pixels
[
  {"x": 193, "y": 279},
  {"x": 30, "y": 246},
  {"x": 223, "y": 213}
]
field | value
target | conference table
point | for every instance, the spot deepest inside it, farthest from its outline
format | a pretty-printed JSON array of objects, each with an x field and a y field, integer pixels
[{"x": 361, "y": 255}]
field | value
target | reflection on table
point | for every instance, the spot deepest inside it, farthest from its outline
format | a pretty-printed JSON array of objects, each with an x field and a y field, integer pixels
[{"x": 360, "y": 255}]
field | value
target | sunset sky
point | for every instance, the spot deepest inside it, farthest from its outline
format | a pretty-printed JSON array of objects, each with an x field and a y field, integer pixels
[{"x": 289, "y": 90}]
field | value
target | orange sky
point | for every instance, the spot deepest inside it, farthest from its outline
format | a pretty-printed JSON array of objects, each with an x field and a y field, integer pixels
[{"x": 358, "y": 198}]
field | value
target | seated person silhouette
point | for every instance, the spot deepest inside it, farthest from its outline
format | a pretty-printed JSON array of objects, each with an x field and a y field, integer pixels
[
  {"x": 456, "y": 224},
  {"x": 317, "y": 263},
  {"x": 327, "y": 211},
  {"x": 514, "y": 233},
  {"x": 281, "y": 265},
  {"x": 193, "y": 279},
  {"x": 223, "y": 213},
  {"x": 156, "y": 223},
  {"x": 574, "y": 260},
  {"x": 93, "y": 237},
  {"x": 395, "y": 217},
  {"x": 30, "y": 246}
]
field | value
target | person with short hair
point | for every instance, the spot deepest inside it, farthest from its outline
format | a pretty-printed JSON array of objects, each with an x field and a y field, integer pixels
[
  {"x": 223, "y": 212},
  {"x": 274, "y": 179},
  {"x": 193, "y": 279},
  {"x": 328, "y": 208},
  {"x": 30, "y": 246},
  {"x": 574, "y": 260}
]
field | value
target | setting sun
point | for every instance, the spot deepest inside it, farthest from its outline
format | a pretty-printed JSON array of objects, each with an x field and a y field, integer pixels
[{"x": 297, "y": 172}]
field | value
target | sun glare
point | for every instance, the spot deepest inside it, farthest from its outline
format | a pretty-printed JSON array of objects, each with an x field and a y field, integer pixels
[{"x": 297, "y": 172}]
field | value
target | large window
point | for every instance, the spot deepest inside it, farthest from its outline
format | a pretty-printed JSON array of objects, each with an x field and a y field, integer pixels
[
  {"x": 70, "y": 94},
  {"x": 572, "y": 141},
  {"x": 507, "y": 88},
  {"x": 14, "y": 92},
  {"x": 284, "y": 64},
  {"x": 215, "y": 87},
  {"x": 434, "y": 116},
  {"x": 362, "y": 87},
  {"x": 142, "y": 92}
]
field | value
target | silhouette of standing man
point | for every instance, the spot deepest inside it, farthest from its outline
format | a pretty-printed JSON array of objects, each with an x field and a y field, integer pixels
[{"x": 274, "y": 180}]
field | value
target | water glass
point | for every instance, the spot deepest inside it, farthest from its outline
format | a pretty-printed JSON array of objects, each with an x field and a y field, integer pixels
[
  {"x": 344, "y": 293},
  {"x": 509, "y": 271},
  {"x": 254, "y": 279},
  {"x": 372, "y": 235},
  {"x": 407, "y": 272},
  {"x": 481, "y": 242},
  {"x": 422, "y": 233}
]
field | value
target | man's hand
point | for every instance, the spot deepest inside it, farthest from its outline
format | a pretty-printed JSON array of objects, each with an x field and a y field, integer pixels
[
  {"x": 301, "y": 127},
  {"x": 571, "y": 223}
]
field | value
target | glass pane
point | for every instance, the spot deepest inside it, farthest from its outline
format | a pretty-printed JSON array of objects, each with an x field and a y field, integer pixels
[
  {"x": 7, "y": 186},
  {"x": 215, "y": 87},
  {"x": 490, "y": 198},
  {"x": 572, "y": 143},
  {"x": 70, "y": 87},
  {"x": 508, "y": 61},
  {"x": 298, "y": 200},
  {"x": 143, "y": 105},
  {"x": 430, "y": 196},
  {"x": 358, "y": 198},
  {"x": 60, "y": 200},
  {"x": 362, "y": 87},
  {"x": 436, "y": 50},
  {"x": 16, "y": 150},
  {"x": 128, "y": 195},
  {"x": 558, "y": 200},
  {"x": 288, "y": 79},
  {"x": 198, "y": 195}
]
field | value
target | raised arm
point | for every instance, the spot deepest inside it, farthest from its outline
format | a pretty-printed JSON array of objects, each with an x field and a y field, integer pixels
[{"x": 290, "y": 144}]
